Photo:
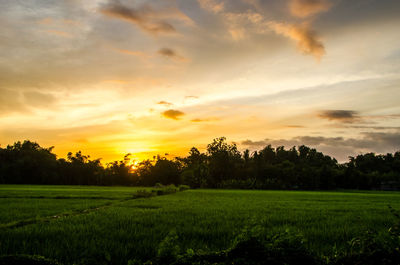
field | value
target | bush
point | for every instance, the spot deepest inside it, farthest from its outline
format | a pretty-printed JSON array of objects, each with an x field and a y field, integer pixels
[
  {"x": 165, "y": 190},
  {"x": 183, "y": 187},
  {"x": 168, "y": 250},
  {"x": 159, "y": 185}
]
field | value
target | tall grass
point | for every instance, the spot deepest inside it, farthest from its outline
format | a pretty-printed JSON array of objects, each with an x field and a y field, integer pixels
[{"x": 203, "y": 220}]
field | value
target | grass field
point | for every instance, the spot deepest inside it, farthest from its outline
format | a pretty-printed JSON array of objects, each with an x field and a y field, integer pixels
[{"x": 106, "y": 225}]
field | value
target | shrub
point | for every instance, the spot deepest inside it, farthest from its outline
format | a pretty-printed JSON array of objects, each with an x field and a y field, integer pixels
[
  {"x": 158, "y": 185},
  {"x": 168, "y": 250},
  {"x": 183, "y": 187}
]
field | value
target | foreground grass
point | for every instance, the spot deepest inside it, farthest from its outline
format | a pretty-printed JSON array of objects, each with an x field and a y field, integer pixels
[
  {"x": 209, "y": 220},
  {"x": 21, "y": 204}
]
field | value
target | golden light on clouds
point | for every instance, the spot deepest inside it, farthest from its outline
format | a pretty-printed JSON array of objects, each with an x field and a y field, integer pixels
[
  {"x": 142, "y": 17},
  {"x": 151, "y": 77},
  {"x": 173, "y": 114},
  {"x": 215, "y": 6},
  {"x": 306, "y": 8},
  {"x": 306, "y": 39}
]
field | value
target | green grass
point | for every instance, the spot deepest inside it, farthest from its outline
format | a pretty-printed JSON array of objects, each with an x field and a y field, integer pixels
[
  {"x": 58, "y": 191},
  {"x": 203, "y": 219},
  {"x": 21, "y": 204}
]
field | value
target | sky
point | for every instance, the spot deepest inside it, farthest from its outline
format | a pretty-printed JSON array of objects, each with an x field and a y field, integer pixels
[{"x": 111, "y": 77}]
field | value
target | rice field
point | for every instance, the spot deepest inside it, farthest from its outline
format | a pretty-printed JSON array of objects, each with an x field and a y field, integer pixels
[{"x": 107, "y": 225}]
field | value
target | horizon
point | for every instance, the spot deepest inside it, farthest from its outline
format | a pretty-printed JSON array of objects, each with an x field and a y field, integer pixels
[
  {"x": 112, "y": 77},
  {"x": 134, "y": 161}
]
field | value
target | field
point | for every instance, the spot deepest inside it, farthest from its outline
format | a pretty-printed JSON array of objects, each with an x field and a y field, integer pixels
[{"x": 107, "y": 225}]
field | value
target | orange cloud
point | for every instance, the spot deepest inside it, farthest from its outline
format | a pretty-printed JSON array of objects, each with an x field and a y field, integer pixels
[
  {"x": 59, "y": 33},
  {"x": 116, "y": 81},
  {"x": 306, "y": 8},
  {"x": 173, "y": 114},
  {"x": 165, "y": 103},
  {"x": 45, "y": 21},
  {"x": 134, "y": 53},
  {"x": 307, "y": 40},
  {"x": 212, "y": 5},
  {"x": 204, "y": 120}
]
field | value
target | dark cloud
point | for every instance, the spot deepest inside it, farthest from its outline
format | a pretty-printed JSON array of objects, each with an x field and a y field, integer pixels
[
  {"x": 173, "y": 114},
  {"x": 338, "y": 147},
  {"x": 340, "y": 115},
  {"x": 373, "y": 127},
  {"x": 144, "y": 17},
  {"x": 167, "y": 52},
  {"x": 257, "y": 144},
  {"x": 165, "y": 103},
  {"x": 170, "y": 53}
]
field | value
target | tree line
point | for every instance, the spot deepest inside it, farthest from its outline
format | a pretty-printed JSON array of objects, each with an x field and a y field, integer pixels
[{"x": 221, "y": 166}]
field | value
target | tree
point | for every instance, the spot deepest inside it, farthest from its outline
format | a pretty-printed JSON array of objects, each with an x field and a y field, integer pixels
[
  {"x": 195, "y": 169},
  {"x": 223, "y": 161}
]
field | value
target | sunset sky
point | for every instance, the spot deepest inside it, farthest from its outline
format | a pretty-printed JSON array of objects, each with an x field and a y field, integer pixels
[{"x": 148, "y": 77}]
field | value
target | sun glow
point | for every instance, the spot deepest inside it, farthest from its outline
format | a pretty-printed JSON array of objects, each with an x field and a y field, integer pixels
[{"x": 134, "y": 165}]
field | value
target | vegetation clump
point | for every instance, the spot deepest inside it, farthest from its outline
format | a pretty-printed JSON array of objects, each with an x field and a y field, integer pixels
[
  {"x": 373, "y": 247},
  {"x": 248, "y": 248},
  {"x": 159, "y": 190}
]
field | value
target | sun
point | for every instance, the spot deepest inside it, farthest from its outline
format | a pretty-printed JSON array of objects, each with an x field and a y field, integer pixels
[{"x": 134, "y": 165}]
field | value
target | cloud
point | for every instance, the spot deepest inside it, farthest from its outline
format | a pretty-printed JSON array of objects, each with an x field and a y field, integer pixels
[
  {"x": 15, "y": 101},
  {"x": 373, "y": 127},
  {"x": 144, "y": 17},
  {"x": 38, "y": 99},
  {"x": 258, "y": 144},
  {"x": 307, "y": 39},
  {"x": 169, "y": 53},
  {"x": 204, "y": 119},
  {"x": 59, "y": 33},
  {"x": 165, "y": 103},
  {"x": 295, "y": 126},
  {"x": 173, "y": 114},
  {"x": 255, "y": 3},
  {"x": 338, "y": 147},
  {"x": 306, "y": 8},
  {"x": 347, "y": 116},
  {"x": 11, "y": 102},
  {"x": 213, "y": 6},
  {"x": 46, "y": 21},
  {"x": 191, "y": 97},
  {"x": 239, "y": 24},
  {"x": 134, "y": 53}
]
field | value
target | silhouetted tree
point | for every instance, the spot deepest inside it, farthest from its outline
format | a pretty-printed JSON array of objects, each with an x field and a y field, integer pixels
[{"x": 221, "y": 166}]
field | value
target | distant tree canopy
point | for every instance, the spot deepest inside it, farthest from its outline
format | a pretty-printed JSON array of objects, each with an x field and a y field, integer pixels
[{"x": 221, "y": 166}]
